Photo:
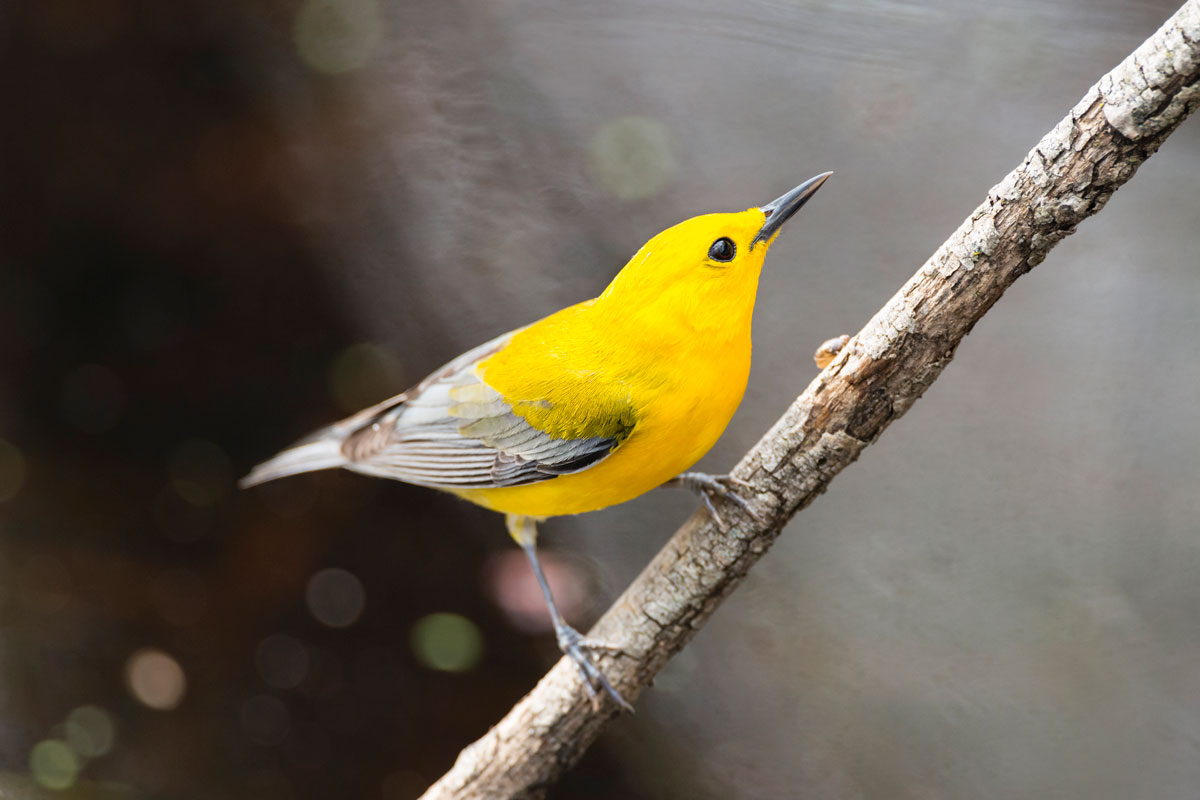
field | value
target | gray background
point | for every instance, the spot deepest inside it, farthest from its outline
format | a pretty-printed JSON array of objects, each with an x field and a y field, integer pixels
[{"x": 1001, "y": 598}]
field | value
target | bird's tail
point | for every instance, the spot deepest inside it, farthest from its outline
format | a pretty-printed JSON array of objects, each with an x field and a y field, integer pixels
[{"x": 322, "y": 450}]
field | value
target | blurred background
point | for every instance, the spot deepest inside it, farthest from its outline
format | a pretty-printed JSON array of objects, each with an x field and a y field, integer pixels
[{"x": 223, "y": 224}]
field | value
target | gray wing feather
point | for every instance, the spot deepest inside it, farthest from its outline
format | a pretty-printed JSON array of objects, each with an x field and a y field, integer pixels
[{"x": 454, "y": 431}]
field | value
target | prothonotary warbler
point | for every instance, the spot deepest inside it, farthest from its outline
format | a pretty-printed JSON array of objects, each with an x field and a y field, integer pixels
[{"x": 589, "y": 407}]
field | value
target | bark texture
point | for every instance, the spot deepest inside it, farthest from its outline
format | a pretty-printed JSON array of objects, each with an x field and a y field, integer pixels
[{"x": 1068, "y": 176}]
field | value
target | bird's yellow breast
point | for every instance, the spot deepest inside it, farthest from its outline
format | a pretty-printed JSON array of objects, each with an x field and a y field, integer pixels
[
  {"x": 681, "y": 389},
  {"x": 658, "y": 362}
]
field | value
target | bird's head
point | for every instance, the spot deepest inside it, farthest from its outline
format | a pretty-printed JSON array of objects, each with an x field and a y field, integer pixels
[{"x": 704, "y": 271}]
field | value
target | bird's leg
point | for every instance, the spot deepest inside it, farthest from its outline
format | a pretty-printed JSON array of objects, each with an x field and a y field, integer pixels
[
  {"x": 573, "y": 644},
  {"x": 722, "y": 486}
]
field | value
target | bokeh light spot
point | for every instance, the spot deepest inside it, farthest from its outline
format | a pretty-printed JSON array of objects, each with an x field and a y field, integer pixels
[
  {"x": 12, "y": 470},
  {"x": 515, "y": 590},
  {"x": 265, "y": 719},
  {"x": 200, "y": 472},
  {"x": 335, "y": 597},
  {"x": 447, "y": 642},
  {"x": 363, "y": 374},
  {"x": 92, "y": 398},
  {"x": 282, "y": 661},
  {"x": 53, "y": 764},
  {"x": 632, "y": 157},
  {"x": 336, "y": 36},
  {"x": 91, "y": 731},
  {"x": 155, "y": 679}
]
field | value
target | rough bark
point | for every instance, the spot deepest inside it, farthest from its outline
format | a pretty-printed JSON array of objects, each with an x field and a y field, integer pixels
[{"x": 1068, "y": 176}]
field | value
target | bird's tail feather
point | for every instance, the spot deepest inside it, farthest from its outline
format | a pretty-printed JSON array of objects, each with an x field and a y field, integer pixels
[{"x": 322, "y": 450}]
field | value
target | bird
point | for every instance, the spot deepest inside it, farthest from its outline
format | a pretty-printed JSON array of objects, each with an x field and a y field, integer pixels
[{"x": 589, "y": 407}]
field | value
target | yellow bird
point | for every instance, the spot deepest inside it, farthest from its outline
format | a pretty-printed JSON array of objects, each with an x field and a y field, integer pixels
[{"x": 589, "y": 407}]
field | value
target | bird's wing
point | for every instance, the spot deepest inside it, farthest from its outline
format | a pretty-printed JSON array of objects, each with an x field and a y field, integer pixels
[{"x": 455, "y": 431}]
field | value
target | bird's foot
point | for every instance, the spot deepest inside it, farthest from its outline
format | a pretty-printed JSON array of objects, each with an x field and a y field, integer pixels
[
  {"x": 576, "y": 647},
  {"x": 722, "y": 486}
]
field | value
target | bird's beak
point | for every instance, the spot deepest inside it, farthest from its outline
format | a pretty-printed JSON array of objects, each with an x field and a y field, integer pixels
[{"x": 780, "y": 211}]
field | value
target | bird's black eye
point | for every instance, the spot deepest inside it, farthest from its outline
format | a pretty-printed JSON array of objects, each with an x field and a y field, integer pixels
[{"x": 722, "y": 249}]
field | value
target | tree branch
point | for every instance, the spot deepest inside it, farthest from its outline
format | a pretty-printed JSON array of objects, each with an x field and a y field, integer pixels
[{"x": 1068, "y": 176}]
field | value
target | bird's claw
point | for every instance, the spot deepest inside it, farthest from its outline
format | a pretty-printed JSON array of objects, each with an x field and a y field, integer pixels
[
  {"x": 721, "y": 486},
  {"x": 576, "y": 647}
]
